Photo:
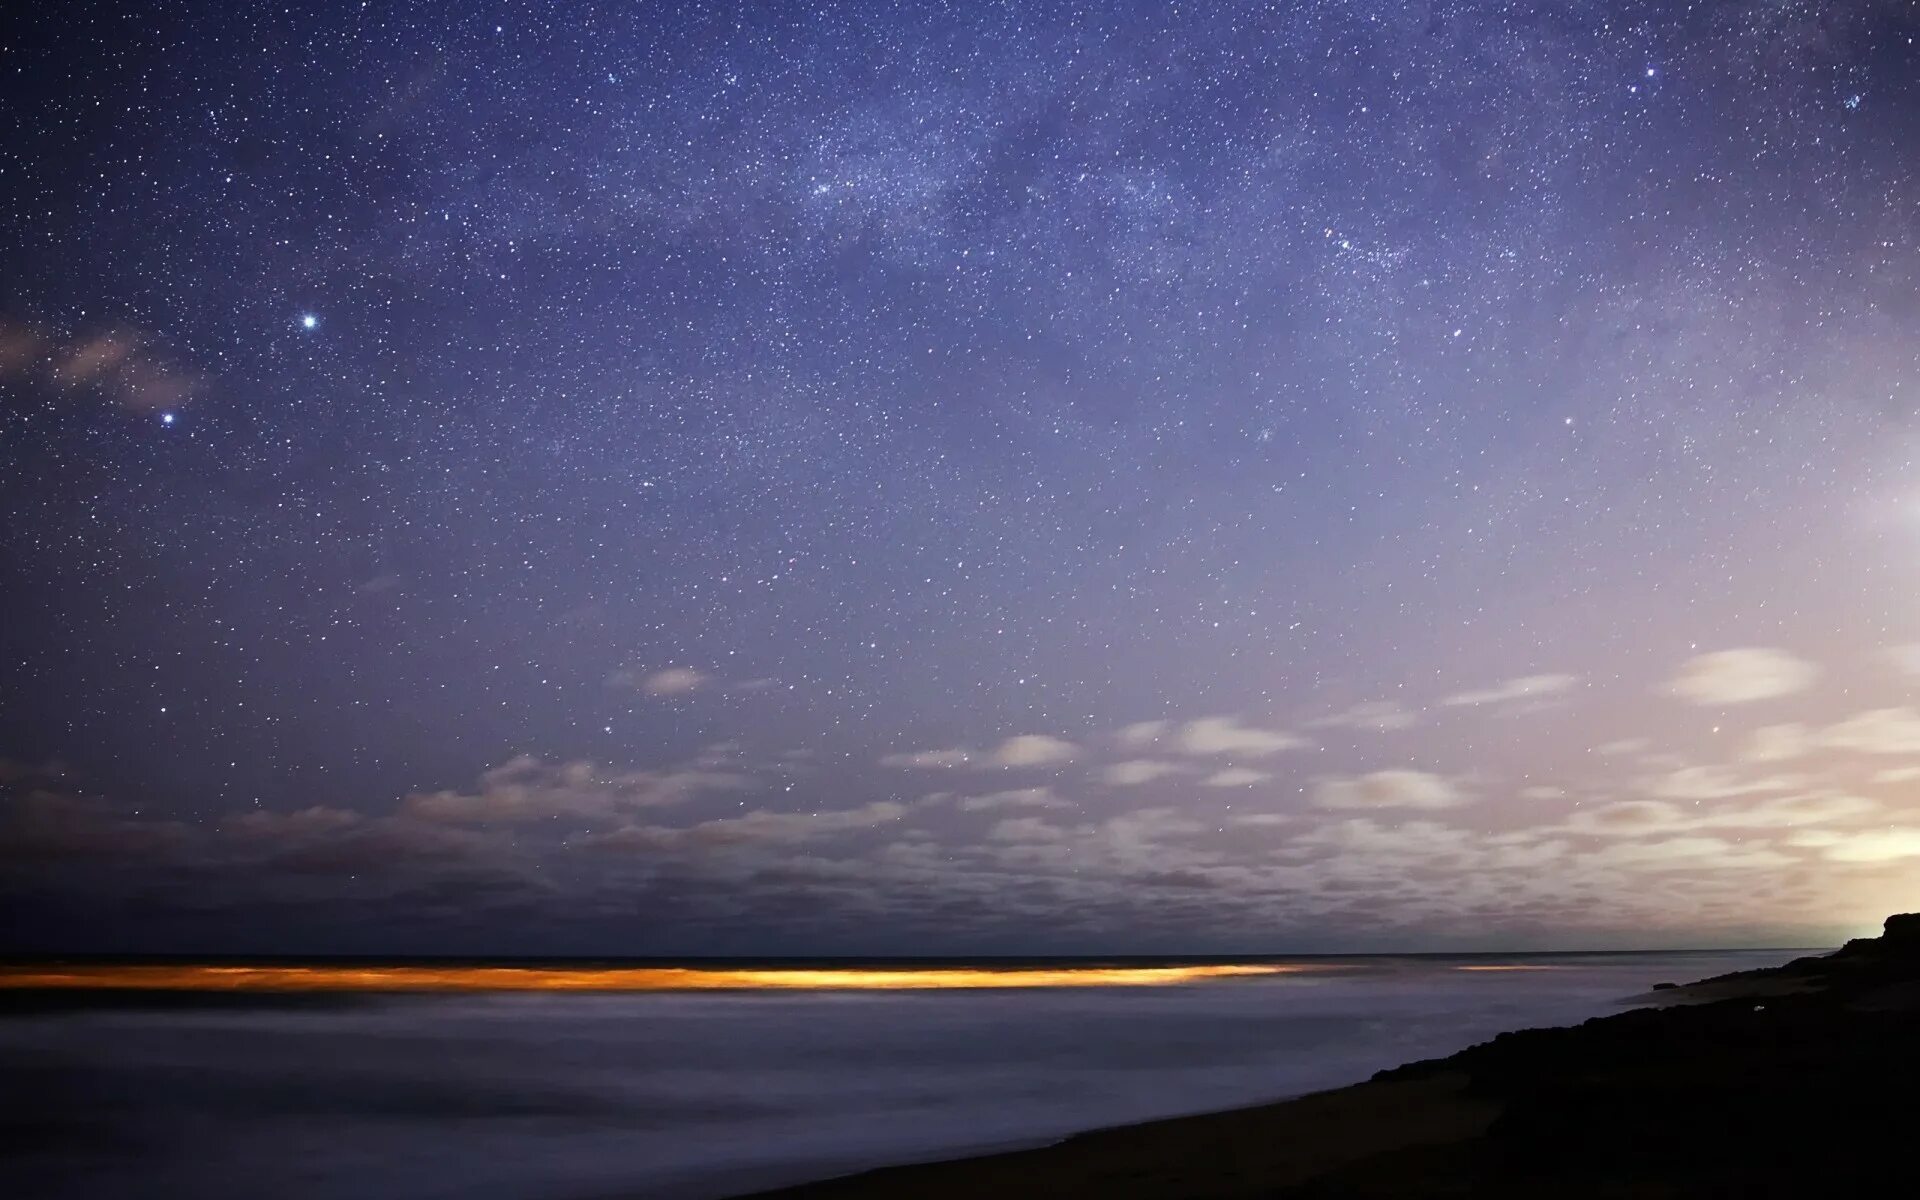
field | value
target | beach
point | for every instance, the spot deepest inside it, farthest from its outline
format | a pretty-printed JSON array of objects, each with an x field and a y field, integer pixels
[
  {"x": 305, "y": 1083},
  {"x": 1785, "y": 1081}
]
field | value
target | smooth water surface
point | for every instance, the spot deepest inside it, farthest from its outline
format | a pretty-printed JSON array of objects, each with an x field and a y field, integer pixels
[{"x": 690, "y": 1095}]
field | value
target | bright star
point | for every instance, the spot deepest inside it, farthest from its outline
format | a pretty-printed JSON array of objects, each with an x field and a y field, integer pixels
[
  {"x": 309, "y": 321},
  {"x": 166, "y": 418}
]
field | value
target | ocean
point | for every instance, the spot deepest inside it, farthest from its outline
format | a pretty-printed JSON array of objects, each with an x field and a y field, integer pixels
[{"x": 678, "y": 1095}]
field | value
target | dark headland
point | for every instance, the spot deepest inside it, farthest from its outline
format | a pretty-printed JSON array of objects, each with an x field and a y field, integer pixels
[{"x": 1801, "y": 1080}]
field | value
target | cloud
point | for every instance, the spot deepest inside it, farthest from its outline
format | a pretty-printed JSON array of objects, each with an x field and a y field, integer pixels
[
  {"x": 1225, "y": 735},
  {"x": 668, "y": 681},
  {"x": 329, "y": 860},
  {"x": 1136, "y": 771},
  {"x": 1878, "y": 731},
  {"x": 1897, "y": 775},
  {"x": 13, "y": 770},
  {"x": 1628, "y": 818},
  {"x": 1789, "y": 811},
  {"x": 44, "y": 827},
  {"x": 1390, "y": 847},
  {"x": 1777, "y": 743},
  {"x": 1688, "y": 854},
  {"x": 1875, "y": 846},
  {"x": 1021, "y": 750},
  {"x": 1742, "y": 676},
  {"x": 377, "y": 854},
  {"x": 1263, "y": 820},
  {"x": 1142, "y": 733},
  {"x": 759, "y": 827},
  {"x": 1236, "y": 777},
  {"x": 1034, "y": 797},
  {"x": 525, "y": 788},
  {"x": 118, "y": 364},
  {"x": 96, "y": 357},
  {"x": 1032, "y": 750},
  {"x": 1906, "y": 658},
  {"x": 1389, "y": 789},
  {"x": 1526, "y": 687},
  {"x": 1633, "y": 818},
  {"x": 928, "y": 760},
  {"x": 1381, "y": 716},
  {"x": 1716, "y": 783},
  {"x": 21, "y": 349},
  {"x": 1025, "y": 830},
  {"x": 1623, "y": 746},
  {"x": 313, "y": 821},
  {"x": 1137, "y": 835}
]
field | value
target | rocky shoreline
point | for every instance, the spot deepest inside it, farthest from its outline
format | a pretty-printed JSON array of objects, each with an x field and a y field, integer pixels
[{"x": 1794, "y": 1081}]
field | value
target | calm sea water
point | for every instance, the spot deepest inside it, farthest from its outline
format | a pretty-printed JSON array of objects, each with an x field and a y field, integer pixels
[{"x": 683, "y": 1096}]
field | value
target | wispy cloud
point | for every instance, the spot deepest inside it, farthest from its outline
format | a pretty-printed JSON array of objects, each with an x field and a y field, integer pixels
[
  {"x": 1236, "y": 777},
  {"x": 1639, "y": 818},
  {"x": 1877, "y": 731},
  {"x": 1032, "y": 750},
  {"x": 1018, "y": 751},
  {"x": 1891, "y": 844},
  {"x": 1142, "y": 733},
  {"x": 1034, "y": 797},
  {"x": 118, "y": 364},
  {"x": 1716, "y": 783},
  {"x": 1226, "y": 736},
  {"x": 1137, "y": 771},
  {"x": 1396, "y": 788},
  {"x": 1777, "y": 743},
  {"x": 757, "y": 828},
  {"x": 1743, "y": 676},
  {"x": 662, "y": 681},
  {"x": 527, "y": 788},
  {"x": 1380, "y": 716},
  {"x": 928, "y": 760},
  {"x": 13, "y": 770},
  {"x": 1526, "y": 687},
  {"x": 1026, "y": 829}
]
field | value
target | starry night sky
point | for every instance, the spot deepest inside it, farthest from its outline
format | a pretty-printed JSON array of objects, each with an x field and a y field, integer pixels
[{"x": 789, "y": 478}]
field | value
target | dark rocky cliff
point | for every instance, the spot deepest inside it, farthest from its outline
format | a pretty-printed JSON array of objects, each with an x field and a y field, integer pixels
[{"x": 1794, "y": 1081}]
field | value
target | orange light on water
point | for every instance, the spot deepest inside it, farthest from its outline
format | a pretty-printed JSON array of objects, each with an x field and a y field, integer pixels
[{"x": 210, "y": 978}]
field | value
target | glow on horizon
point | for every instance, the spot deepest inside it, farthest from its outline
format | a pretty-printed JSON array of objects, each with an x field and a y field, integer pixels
[{"x": 210, "y": 978}]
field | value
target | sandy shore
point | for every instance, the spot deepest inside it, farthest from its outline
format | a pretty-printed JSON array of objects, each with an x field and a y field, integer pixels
[
  {"x": 1244, "y": 1152},
  {"x": 1791, "y": 1082}
]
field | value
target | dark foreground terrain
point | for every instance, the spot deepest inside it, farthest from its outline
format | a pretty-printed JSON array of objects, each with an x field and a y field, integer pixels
[{"x": 1800, "y": 1081}]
